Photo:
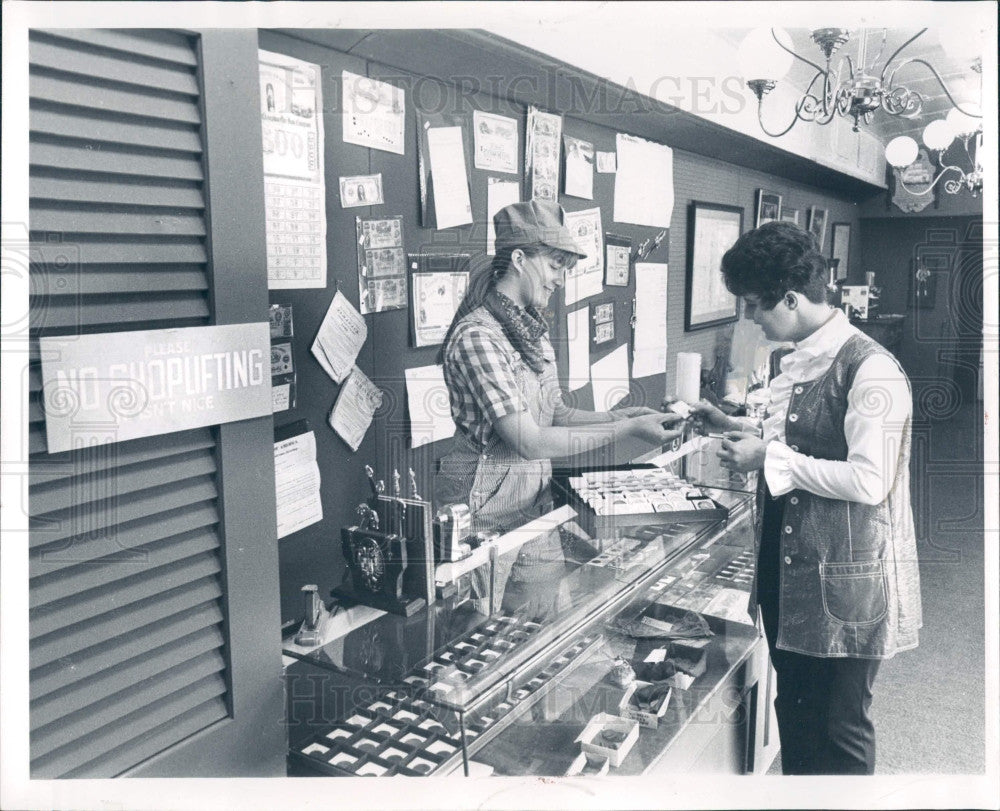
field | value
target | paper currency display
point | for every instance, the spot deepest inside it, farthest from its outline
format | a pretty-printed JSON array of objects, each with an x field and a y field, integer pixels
[
  {"x": 297, "y": 483},
  {"x": 341, "y": 335},
  {"x": 495, "y": 142},
  {"x": 429, "y": 405},
  {"x": 649, "y": 353},
  {"x": 374, "y": 113},
  {"x": 361, "y": 190},
  {"x": 607, "y": 163},
  {"x": 355, "y": 408},
  {"x": 381, "y": 264},
  {"x": 587, "y": 277},
  {"x": 579, "y": 167},
  {"x": 294, "y": 195},
  {"x": 603, "y": 318},
  {"x": 618, "y": 260},
  {"x": 437, "y": 285},
  {"x": 542, "y": 149},
  {"x": 644, "y": 182},
  {"x": 499, "y": 193},
  {"x": 280, "y": 318}
]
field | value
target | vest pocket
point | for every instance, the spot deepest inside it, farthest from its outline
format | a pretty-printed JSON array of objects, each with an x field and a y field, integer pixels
[{"x": 854, "y": 593}]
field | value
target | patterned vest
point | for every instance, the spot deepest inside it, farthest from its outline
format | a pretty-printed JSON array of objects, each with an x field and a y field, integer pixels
[{"x": 848, "y": 571}]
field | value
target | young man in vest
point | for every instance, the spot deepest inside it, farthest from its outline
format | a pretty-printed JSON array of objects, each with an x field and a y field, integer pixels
[{"x": 837, "y": 579}]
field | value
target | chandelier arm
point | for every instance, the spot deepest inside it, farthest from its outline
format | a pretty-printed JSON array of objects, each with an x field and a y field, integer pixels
[
  {"x": 787, "y": 129},
  {"x": 800, "y": 58},
  {"x": 896, "y": 53},
  {"x": 944, "y": 87},
  {"x": 944, "y": 170}
]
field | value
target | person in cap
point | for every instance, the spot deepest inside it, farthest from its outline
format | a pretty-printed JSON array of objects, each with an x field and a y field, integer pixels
[
  {"x": 508, "y": 407},
  {"x": 837, "y": 578}
]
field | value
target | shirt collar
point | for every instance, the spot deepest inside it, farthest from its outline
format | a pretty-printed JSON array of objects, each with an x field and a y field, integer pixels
[{"x": 828, "y": 337}]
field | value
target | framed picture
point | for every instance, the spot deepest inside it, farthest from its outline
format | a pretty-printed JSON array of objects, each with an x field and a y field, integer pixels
[
  {"x": 790, "y": 215},
  {"x": 817, "y": 224},
  {"x": 840, "y": 244},
  {"x": 437, "y": 285},
  {"x": 768, "y": 207},
  {"x": 712, "y": 230}
]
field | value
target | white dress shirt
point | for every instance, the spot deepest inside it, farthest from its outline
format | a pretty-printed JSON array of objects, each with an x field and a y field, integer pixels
[{"x": 879, "y": 405}]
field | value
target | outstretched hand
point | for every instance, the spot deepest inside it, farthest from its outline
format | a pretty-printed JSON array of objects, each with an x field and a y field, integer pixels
[
  {"x": 742, "y": 452},
  {"x": 708, "y": 418},
  {"x": 653, "y": 428}
]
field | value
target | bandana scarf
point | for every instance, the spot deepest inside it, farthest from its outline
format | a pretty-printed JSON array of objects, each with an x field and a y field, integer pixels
[{"x": 524, "y": 328}]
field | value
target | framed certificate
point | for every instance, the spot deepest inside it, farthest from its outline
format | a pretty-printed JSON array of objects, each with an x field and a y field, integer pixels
[{"x": 712, "y": 230}]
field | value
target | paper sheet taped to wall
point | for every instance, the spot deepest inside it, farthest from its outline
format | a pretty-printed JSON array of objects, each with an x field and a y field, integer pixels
[
  {"x": 644, "y": 182},
  {"x": 429, "y": 404},
  {"x": 297, "y": 483},
  {"x": 294, "y": 188}
]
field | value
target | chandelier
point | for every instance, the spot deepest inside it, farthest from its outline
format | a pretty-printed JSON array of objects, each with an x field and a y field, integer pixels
[{"x": 858, "y": 89}]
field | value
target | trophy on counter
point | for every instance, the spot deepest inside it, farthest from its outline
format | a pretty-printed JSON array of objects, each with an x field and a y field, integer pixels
[{"x": 389, "y": 552}]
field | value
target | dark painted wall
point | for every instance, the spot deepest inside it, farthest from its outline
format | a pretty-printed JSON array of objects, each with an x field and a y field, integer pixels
[{"x": 313, "y": 554}]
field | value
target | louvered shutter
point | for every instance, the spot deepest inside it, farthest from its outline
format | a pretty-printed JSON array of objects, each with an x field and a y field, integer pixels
[{"x": 127, "y": 627}]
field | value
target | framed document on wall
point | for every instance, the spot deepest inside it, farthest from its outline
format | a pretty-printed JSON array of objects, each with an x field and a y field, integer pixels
[{"x": 712, "y": 230}]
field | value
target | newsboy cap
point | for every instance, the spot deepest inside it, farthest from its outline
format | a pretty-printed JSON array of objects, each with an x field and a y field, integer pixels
[{"x": 538, "y": 222}]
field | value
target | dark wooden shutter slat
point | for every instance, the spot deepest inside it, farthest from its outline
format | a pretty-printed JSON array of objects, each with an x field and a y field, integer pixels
[
  {"x": 83, "y": 93},
  {"x": 106, "y": 130},
  {"x": 165, "y": 46},
  {"x": 99, "y": 601},
  {"x": 67, "y": 720},
  {"x": 117, "y": 623},
  {"x": 71, "y": 463},
  {"x": 121, "y": 544},
  {"x": 120, "y": 69},
  {"x": 77, "y": 759},
  {"x": 91, "y": 251},
  {"x": 68, "y": 582},
  {"x": 91, "y": 220},
  {"x": 137, "y": 192},
  {"x": 126, "y": 480},
  {"x": 94, "y": 282},
  {"x": 110, "y": 310},
  {"x": 109, "y": 655},
  {"x": 95, "y": 157}
]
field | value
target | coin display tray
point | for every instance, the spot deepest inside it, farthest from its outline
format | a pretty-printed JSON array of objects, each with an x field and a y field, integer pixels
[
  {"x": 401, "y": 733},
  {"x": 609, "y": 500}
]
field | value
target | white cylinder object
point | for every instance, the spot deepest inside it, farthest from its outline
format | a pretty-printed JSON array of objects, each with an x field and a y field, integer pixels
[{"x": 689, "y": 377}]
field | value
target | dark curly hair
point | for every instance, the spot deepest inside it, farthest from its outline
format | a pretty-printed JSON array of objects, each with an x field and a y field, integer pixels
[{"x": 773, "y": 259}]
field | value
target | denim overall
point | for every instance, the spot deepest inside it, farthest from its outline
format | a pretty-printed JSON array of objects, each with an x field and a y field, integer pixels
[{"x": 502, "y": 488}]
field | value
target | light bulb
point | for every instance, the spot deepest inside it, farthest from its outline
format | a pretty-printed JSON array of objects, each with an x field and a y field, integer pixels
[
  {"x": 962, "y": 124},
  {"x": 938, "y": 135},
  {"x": 901, "y": 151},
  {"x": 760, "y": 57}
]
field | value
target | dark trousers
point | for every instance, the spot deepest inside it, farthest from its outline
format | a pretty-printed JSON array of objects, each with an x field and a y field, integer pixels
[{"x": 823, "y": 704}]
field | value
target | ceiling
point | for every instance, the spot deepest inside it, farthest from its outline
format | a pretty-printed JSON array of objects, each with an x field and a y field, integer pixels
[{"x": 962, "y": 81}]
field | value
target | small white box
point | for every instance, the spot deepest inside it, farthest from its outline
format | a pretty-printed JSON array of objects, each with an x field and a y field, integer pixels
[
  {"x": 577, "y": 766},
  {"x": 590, "y": 738},
  {"x": 630, "y": 710}
]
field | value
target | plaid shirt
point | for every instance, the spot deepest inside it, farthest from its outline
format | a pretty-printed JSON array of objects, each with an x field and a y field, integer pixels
[{"x": 481, "y": 370}]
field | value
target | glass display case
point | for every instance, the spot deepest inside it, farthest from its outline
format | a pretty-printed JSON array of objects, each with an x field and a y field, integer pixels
[{"x": 547, "y": 686}]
